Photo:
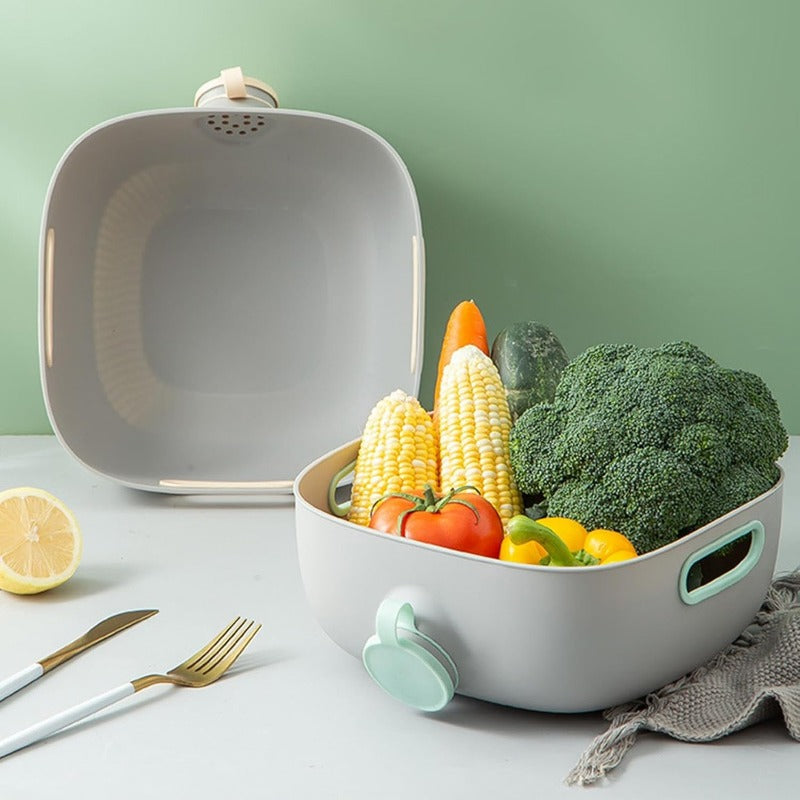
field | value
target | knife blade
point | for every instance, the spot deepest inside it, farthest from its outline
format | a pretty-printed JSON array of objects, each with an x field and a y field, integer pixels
[{"x": 96, "y": 634}]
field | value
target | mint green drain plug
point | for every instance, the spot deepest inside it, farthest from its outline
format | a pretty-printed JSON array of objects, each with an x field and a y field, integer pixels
[{"x": 406, "y": 663}]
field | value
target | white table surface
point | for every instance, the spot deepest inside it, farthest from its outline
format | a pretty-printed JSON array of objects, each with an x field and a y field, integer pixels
[{"x": 296, "y": 717}]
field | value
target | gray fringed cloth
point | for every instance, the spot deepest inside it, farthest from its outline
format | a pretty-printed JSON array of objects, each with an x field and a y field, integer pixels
[{"x": 753, "y": 679}]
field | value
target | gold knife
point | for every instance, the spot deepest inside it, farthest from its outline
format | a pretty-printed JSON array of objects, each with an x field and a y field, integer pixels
[{"x": 101, "y": 631}]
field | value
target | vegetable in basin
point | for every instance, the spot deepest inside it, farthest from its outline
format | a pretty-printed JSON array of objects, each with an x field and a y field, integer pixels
[{"x": 650, "y": 442}]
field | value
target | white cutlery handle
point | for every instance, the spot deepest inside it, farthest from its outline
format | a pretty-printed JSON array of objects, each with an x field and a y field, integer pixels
[
  {"x": 58, "y": 721},
  {"x": 20, "y": 679}
]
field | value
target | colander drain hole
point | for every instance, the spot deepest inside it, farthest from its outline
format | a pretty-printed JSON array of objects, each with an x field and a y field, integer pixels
[{"x": 225, "y": 125}]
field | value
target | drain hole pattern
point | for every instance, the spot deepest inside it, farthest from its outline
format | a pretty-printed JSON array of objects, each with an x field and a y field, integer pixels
[{"x": 230, "y": 125}]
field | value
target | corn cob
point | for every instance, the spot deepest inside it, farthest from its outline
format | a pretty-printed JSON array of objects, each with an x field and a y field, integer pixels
[
  {"x": 474, "y": 426},
  {"x": 397, "y": 454}
]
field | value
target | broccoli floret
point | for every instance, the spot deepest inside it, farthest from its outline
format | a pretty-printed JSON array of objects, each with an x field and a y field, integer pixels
[{"x": 652, "y": 442}]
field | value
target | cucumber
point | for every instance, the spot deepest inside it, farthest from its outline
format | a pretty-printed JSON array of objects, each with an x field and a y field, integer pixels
[{"x": 530, "y": 360}]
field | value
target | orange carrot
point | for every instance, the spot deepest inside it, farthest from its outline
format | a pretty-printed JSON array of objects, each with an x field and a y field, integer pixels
[{"x": 465, "y": 326}]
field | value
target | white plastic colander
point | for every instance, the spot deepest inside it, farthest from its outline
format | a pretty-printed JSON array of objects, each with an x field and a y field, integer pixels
[{"x": 226, "y": 290}]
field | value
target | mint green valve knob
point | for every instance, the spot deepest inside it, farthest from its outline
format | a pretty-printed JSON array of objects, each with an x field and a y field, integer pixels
[{"x": 405, "y": 662}]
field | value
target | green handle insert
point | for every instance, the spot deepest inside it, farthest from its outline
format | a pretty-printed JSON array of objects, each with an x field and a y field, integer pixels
[
  {"x": 732, "y": 576},
  {"x": 406, "y": 663},
  {"x": 337, "y": 508}
]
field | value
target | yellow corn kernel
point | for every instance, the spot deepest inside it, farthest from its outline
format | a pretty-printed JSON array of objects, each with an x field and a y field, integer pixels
[
  {"x": 474, "y": 426},
  {"x": 397, "y": 454}
]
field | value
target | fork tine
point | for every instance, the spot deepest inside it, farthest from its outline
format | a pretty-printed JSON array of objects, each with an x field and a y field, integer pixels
[
  {"x": 233, "y": 652},
  {"x": 203, "y": 651},
  {"x": 224, "y": 648},
  {"x": 231, "y": 633}
]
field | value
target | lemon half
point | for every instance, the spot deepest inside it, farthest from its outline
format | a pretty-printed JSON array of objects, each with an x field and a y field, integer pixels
[{"x": 40, "y": 541}]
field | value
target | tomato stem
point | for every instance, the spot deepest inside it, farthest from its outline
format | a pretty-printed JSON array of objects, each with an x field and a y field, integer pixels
[{"x": 429, "y": 501}]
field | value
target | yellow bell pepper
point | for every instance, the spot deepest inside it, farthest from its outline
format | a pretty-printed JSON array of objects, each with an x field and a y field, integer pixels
[
  {"x": 599, "y": 546},
  {"x": 528, "y": 553},
  {"x": 604, "y": 544}
]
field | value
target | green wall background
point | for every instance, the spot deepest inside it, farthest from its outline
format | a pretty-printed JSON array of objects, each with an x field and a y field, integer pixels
[{"x": 619, "y": 170}]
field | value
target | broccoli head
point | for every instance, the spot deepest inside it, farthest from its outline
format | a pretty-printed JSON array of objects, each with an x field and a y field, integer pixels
[{"x": 651, "y": 442}]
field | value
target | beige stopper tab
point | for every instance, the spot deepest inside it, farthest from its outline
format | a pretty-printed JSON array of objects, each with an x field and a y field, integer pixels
[{"x": 233, "y": 80}]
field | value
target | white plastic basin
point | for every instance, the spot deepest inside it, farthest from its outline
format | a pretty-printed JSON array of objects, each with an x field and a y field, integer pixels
[{"x": 554, "y": 639}]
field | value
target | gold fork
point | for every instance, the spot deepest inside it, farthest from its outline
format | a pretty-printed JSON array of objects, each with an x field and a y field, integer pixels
[{"x": 204, "y": 667}]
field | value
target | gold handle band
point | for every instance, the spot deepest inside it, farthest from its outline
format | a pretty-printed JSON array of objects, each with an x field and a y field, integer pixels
[
  {"x": 49, "y": 266},
  {"x": 227, "y": 486}
]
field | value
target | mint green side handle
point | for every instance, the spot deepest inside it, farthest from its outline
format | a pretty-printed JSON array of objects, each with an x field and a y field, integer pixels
[
  {"x": 406, "y": 663},
  {"x": 732, "y": 576},
  {"x": 337, "y": 508}
]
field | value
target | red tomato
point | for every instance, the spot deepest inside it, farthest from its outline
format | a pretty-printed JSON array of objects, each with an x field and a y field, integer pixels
[{"x": 453, "y": 525}]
